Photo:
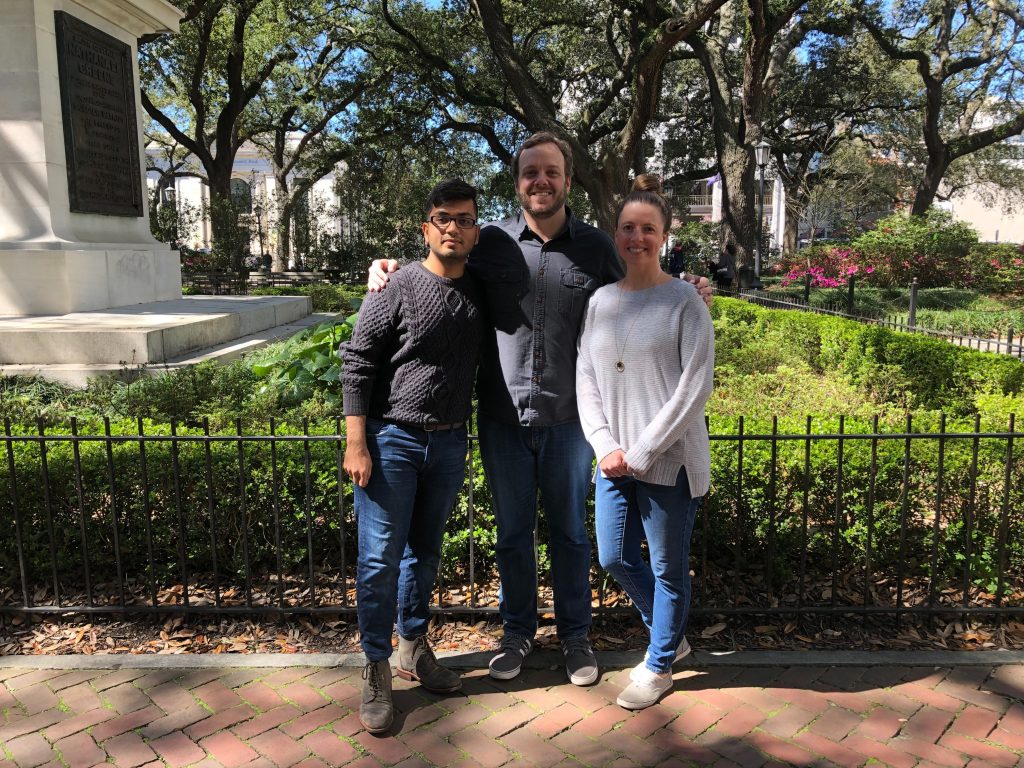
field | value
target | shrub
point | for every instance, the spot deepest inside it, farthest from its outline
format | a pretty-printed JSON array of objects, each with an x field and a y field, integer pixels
[
  {"x": 325, "y": 297},
  {"x": 305, "y": 364},
  {"x": 913, "y": 371},
  {"x": 701, "y": 244},
  {"x": 998, "y": 267},
  {"x": 933, "y": 248},
  {"x": 828, "y": 266}
]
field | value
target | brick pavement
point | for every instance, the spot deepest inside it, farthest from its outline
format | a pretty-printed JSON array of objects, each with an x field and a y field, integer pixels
[{"x": 802, "y": 715}]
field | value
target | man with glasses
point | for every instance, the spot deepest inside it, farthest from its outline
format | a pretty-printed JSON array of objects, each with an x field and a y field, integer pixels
[
  {"x": 537, "y": 271},
  {"x": 407, "y": 383}
]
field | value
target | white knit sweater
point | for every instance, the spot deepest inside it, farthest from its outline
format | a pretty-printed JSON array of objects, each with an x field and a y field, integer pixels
[{"x": 653, "y": 409}]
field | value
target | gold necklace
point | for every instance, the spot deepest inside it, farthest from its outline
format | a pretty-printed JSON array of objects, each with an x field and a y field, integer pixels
[{"x": 619, "y": 365}]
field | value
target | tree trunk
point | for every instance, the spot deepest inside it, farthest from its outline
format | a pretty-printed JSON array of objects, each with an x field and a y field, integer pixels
[
  {"x": 738, "y": 203},
  {"x": 227, "y": 248},
  {"x": 790, "y": 235},
  {"x": 928, "y": 188},
  {"x": 606, "y": 182},
  {"x": 796, "y": 204},
  {"x": 283, "y": 226}
]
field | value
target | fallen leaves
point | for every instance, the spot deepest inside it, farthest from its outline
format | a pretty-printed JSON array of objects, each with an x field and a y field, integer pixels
[
  {"x": 306, "y": 633},
  {"x": 714, "y": 629}
]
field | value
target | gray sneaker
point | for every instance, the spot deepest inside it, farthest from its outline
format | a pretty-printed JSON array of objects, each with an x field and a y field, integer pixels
[
  {"x": 682, "y": 650},
  {"x": 376, "y": 710},
  {"x": 644, "y": 689},
  {"x": 508, "y": 661},
  {"x": 580, "y": 662},
  {"x": 416, "y": 661}
]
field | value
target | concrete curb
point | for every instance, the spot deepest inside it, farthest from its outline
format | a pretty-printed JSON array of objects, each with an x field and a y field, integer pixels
[{"x": 537, "y": 660}]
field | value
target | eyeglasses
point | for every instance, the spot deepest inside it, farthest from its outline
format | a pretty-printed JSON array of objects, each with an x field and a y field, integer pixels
[{"x": 441, "y": 221}]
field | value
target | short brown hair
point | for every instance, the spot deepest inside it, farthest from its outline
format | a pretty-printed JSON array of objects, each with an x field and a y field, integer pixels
[{"x": 544, "y": 137}]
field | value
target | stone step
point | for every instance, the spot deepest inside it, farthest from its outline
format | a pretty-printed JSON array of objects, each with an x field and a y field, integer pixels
[
  {"x": 143, "y": 334},
  {"x": 78, "y": 375}
]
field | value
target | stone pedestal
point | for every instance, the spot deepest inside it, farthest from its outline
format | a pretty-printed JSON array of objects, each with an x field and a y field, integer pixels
[{"x": 54, "y": 258}]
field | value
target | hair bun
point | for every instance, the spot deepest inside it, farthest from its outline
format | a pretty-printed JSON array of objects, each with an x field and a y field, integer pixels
[{"x": 648, "y": 182}]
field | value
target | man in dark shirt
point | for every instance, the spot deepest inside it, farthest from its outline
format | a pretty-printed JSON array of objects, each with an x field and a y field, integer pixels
[
  {"x": 407, "y": 384},
  {"x": 537, "y": 270}
]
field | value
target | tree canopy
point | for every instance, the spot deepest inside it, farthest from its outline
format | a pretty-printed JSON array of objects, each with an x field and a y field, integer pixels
[{"x": 840, "y": 88}]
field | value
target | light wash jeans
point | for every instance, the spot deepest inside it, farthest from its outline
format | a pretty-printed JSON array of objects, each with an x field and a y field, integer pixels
[{"x": 629, "y": 510}]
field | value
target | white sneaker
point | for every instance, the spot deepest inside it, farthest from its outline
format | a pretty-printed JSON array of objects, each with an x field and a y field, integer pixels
[
  {"x": 645, "y": 689},
  {"x": 682, "y": 650}
]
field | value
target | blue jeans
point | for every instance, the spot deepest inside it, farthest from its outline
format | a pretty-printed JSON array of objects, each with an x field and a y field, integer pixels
[
  {"x": 401, "y": 515},
  {"x": 556, "y": 461},
  {"x": 629, "y": 510}
]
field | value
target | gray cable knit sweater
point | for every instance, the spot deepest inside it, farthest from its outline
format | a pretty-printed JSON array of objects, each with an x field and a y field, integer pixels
[
  {"x": 413, "y": 354},
  {"x": 654, "y": 408}
]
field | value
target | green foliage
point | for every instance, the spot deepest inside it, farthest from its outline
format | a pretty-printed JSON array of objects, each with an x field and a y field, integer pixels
[
  {"x": 998, "y": 267},
  {"x": 325, "y": 297},
  {"x": 788, "y": 364},
  {"x": 701, "y": 243},
  {"x": 933, "y": 248},
  {"x": 172, "y": 222},
  {"x": 221, "y": 393},
  {"x": 219, "y": 504},
  {"x": 306, "y": 363},
  {"x": 385, "y": 186},
  {"x": 888, "y": 365},
  {"x": 803, "y": 499}
]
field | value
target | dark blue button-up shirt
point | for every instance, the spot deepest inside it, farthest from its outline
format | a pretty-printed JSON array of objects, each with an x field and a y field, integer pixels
[{"x": 534, "y": 295}]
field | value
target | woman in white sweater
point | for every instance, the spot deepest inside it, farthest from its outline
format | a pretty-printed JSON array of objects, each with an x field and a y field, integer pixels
[{"x": 645, "y": 371}]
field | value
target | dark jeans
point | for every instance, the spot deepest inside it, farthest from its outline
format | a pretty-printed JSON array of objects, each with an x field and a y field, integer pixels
[
  {"x": 556, "y": 462},
  {"x": 401, "y": 515}
]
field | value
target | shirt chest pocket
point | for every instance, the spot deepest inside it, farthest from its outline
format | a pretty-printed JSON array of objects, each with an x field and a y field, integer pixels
[{"x": 575, "y": 287}]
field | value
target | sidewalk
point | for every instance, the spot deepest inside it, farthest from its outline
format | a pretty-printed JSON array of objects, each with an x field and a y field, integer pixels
[{"x": 803, "y": 709}]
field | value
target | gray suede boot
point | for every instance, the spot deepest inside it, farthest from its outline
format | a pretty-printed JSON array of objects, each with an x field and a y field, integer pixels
[
  {"x": 376, "y": 710},
  {"x": 416, "y": 661}
]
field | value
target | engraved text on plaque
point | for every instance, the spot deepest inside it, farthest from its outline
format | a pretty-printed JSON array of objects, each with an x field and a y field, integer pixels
[{"x": 97, "y": 92}]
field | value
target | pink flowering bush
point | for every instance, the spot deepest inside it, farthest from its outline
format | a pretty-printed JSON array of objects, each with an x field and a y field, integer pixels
[
  {"x": 935, "y": 248},
  {"x": 828, "y": 266},
  {"x": 998, "y": 267}
]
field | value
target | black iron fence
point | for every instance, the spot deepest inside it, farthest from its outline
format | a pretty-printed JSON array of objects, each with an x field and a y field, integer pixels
[{"x": 806, "y": 517}]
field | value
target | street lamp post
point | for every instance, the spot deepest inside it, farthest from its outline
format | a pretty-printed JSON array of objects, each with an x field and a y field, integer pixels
[{"x": 761, "y": 157}]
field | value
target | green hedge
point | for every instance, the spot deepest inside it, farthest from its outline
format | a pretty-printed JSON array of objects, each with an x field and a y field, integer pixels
[
  {"x": 326, "y": 297},
  {"x": 735, "y": 529},
  {"x": 208, "y": 493},
  {"x": 933, "y": 374}
]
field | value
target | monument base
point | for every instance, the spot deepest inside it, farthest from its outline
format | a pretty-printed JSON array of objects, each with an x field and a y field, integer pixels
[
  {"x": 60, "y": 281},
  {"x": 147, "y": 338}
]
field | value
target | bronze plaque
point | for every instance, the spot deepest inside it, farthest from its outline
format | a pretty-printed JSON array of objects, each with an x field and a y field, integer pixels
[{"x": 97, "y": 94}]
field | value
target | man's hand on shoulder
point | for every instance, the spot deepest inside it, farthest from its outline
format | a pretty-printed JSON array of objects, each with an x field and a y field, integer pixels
[
  {"x": 377, "y": 278},
  {"x": 701, "y": 284}
]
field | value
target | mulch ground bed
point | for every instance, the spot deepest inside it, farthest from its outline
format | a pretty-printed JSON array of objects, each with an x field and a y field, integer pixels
[{"x": 40, "y": 634}]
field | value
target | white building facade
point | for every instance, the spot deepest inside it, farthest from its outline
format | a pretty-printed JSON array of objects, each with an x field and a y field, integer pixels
[{"x": 253, "y": 189}]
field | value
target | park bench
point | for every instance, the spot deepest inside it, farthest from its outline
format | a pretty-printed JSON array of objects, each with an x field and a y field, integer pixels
[{"x": 216, "y": 283}]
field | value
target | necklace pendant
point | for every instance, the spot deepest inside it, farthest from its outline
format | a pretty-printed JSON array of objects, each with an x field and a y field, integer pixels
[{"x": 620, "y": 367}]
